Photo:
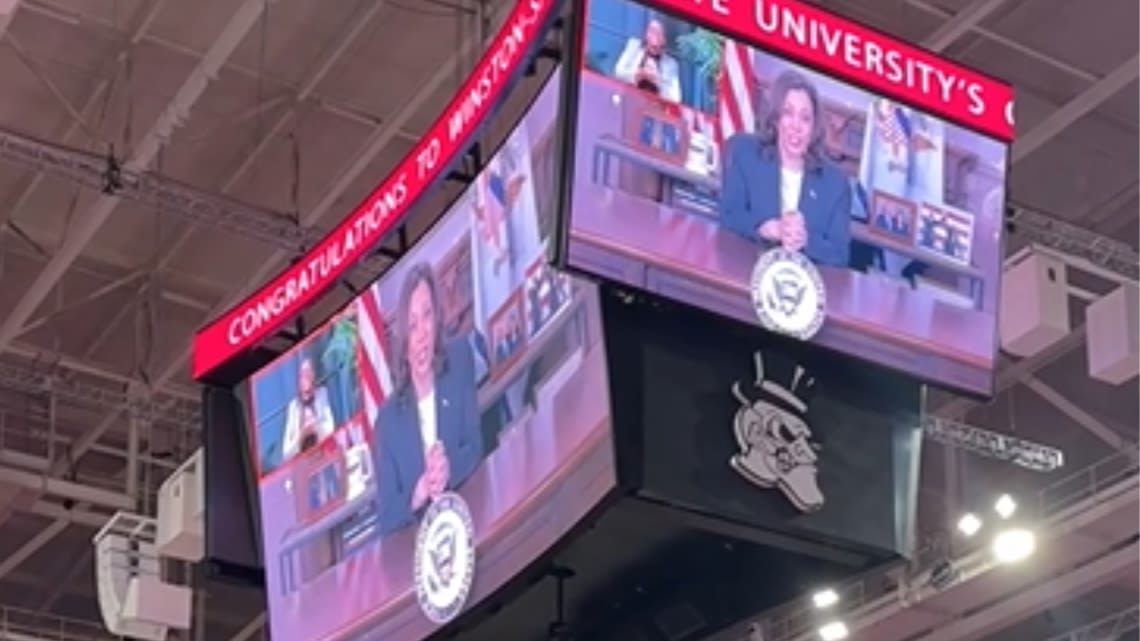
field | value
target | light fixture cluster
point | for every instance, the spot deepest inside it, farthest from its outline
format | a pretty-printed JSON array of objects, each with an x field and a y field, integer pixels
[
  {"x": 1012, "y": 543},
  {"x": 830, "y": 628}
]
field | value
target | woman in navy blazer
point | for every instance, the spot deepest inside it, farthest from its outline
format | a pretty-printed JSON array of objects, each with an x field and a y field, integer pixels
[
  {"x": 427, "y": 431},
  {"x": 778, "y": 185}
]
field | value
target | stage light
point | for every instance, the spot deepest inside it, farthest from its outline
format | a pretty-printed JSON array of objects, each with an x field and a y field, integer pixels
[
  {"x": 825, "y": 598},
  {"x": 833, "y": 631},
  {"x": 1005, "y": 506},
  {"x": 1013, "y": 545},
  {"x": 969, "y": 524}
]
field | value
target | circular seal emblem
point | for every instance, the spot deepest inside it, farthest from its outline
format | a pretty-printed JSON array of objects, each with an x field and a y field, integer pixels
[
  {"x": 788, "y": 294},
  {"x": 444, "y": 558}
]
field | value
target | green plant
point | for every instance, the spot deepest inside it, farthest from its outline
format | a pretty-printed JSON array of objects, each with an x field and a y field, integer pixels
[
  {"x": 704, "y": 50},
  {"x": 340, "y": 350}
]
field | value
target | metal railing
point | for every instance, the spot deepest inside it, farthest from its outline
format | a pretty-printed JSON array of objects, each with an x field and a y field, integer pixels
[
  {"x": 798, "y": 618},
  {"x": 17, "y": 624},
  {"x": 1110, "y": 628}
]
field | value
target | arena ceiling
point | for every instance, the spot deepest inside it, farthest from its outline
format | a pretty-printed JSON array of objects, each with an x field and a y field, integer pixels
[{"x": 298, "y": 108}]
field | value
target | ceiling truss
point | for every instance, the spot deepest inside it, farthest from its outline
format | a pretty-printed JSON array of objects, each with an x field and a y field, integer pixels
[{"x": 29, "y": 370}]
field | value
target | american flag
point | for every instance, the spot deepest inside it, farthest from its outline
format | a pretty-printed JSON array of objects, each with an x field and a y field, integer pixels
[
  {"x": 737, "y": 81},
  {"x": 492, "y": 200},
  {"x": 375, "y": 371},
  {"x": 894, "y": 127}
]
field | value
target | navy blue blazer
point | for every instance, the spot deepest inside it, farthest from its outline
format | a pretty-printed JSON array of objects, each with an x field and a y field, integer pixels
[
  {"x": 750, "y": 196},
  {"x": 400, "y": 448}
]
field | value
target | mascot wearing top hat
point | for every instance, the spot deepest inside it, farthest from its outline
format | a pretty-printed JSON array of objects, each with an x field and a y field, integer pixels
[{"x": 776, "y": 446}]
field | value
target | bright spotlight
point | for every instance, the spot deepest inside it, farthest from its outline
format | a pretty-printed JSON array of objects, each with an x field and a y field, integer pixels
[
  {"x": 969, "y": 524},
  {"x": 825, "y": 598},
  {"x": 1005, "y": 506},
  {"x": 1014, "y": 545},
  {"x": 833, "y": 631}
]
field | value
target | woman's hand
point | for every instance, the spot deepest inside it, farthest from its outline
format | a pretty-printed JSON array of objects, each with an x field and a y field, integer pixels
[
  {"x": 793, "y": 231},
  {"x": 789, "y": 230},
  {"x": 438, "y": 469},
  {"x": 421, "y": 494}
]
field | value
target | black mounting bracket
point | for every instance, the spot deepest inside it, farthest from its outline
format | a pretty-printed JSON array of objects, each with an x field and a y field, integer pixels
[{"x": 469, "y": 166}]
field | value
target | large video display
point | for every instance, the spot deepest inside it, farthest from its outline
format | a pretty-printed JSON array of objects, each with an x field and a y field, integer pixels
[
  {"x": 443, "y": 430},
  {"x": 716, "y": 174}
]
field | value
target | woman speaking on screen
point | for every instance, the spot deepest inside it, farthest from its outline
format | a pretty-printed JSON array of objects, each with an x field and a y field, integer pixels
[
  {"x": 428, "y": 430},
  {"x": 777, "y": 184}
]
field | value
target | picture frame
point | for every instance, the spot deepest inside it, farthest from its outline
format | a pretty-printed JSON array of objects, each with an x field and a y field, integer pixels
[
  {"x": 660, "y": 129},
  {"x": 545, "y": 292},
  {"x": 456, "y": 288},
  {"x": 892, "y": 217},
  {"x": 319, "y": 481},
  {"x": 506, "y": 334},
  {"x": 945, "y": 231}
]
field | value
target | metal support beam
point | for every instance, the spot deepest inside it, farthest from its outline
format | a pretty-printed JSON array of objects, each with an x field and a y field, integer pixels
[
  {"x": 161, "y": 194},
  {"x": 33, "y": 545},
  {"x": 243, "y": 20},
  {"x": 171, "y": 117},
  {"x": 7, "y": 12},
  {"x": 276, "y": 228},
  {"x": 1084, "y": 419},
  {"x": 1077, "y": 246},
  {"x": 963, "y": 22},
  {"x": 1039, "y": 597},
  {"x": 70, "y": 368},
  {"x": 137, "y": 423},
  {"x": 1111, "y": 628},
  {"x": 17, "y": 624},
  {"x": 63, "y": 13},
  {"x": 148, "y": 15},
  {"x": 377, "y": 142},
  {"x": 79, "y": 516},
  {"x": 1075, "y": 109},
  {"x": 70, "y": 490},
  {"x": 356, "y": 26},
  {"x": 250, "y": 629},
  {"x": 1009, "y": 43},
  {"x": 29, "y": 380},
  {"x": 1003, "y": 447}
]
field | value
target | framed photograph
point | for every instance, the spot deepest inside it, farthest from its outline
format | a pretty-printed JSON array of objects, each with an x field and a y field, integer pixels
[
  {"x": 945, "y": 231},
  {"x": 892, "y": 217},
  {"x": 661, "y": 130},
  {"x": 545, "y": 292},
  {"x": 319, "y": 481},
  {"x": 456, "y": 288},
  {"x": 507, "y": 333}
]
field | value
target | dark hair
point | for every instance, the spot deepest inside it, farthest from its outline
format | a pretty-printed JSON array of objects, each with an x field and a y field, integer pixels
[
  {"x": 419, "y": 274},
  {"x": 785, "y": 83}
]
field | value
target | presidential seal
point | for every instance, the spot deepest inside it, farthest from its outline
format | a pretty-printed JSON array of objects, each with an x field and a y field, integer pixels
[
  {"x": 444, "y": 558},
  {"x": 788, "y": 294}
]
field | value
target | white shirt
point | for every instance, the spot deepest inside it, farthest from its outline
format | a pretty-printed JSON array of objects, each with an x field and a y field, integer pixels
[
  {"x": 791, "y": 184},
  {"x": 295, "y": 422},
  {"x": 668, "y": 71},
  {"x": 429, "y": 429}
]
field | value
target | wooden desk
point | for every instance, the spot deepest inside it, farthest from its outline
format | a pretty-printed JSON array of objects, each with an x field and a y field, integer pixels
[
  {"x": 690, "y": 258},
  {"x": 609, "y": 147}
]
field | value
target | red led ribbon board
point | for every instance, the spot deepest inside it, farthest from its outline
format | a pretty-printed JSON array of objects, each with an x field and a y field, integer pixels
[
  {"x": 789, "y": 28},
  {"x": 288, "y": 294},
  {"x": 862, "y": 56}
]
